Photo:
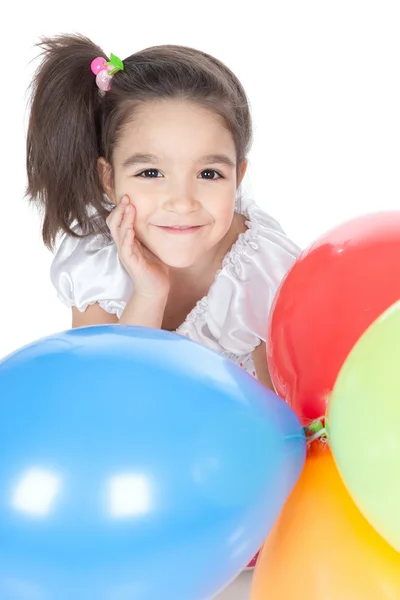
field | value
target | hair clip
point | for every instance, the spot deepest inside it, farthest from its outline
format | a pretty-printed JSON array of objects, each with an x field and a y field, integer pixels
[{"x": 104, "y": 70}]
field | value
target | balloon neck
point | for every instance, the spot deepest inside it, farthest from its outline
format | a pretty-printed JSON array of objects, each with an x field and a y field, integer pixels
[{"x": 316, "y": 431}]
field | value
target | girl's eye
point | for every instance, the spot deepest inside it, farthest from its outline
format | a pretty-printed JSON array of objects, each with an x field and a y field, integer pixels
[
  {"x": 150, "y": 174},
  {"x": 210, "y": 174}
]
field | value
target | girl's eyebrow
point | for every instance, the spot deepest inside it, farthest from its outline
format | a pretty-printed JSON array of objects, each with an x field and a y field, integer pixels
[
  {"x": 152, "y": 159},
  {"x": 221, "y": 159},
  {"x": 139, "y": 158}
]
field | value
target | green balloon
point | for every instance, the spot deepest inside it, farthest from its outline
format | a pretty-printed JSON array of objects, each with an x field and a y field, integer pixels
[{"x": 363, "y": 425}]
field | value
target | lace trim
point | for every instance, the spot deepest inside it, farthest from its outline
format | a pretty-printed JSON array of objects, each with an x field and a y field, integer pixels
[
  {"x": 234, "y": 257},
  {"x": 243, "y": 360}
]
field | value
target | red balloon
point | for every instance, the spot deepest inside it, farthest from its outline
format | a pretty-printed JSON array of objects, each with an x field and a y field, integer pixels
[{"x": 337, "y": 288}]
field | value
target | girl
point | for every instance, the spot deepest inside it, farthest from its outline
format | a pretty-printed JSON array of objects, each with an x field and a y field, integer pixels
[{"x": 139, "y": 164}]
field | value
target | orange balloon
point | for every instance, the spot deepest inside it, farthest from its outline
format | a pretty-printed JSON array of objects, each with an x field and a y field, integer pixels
[{"x": 322, "y": 547}]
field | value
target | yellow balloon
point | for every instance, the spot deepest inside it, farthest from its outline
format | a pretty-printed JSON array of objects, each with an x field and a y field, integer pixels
[{"x": 363, "y": 423}]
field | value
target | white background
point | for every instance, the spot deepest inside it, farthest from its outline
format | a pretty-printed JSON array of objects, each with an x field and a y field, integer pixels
[{"x": 323, "y": 79}]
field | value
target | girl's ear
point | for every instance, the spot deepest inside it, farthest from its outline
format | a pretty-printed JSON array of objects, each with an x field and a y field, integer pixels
[
  {"x": 242, "y": 171},
  {"x": 105, "y": 174}
]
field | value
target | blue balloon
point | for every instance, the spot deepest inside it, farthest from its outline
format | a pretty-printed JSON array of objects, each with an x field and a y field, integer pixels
[{"x": 135, "y": 464}]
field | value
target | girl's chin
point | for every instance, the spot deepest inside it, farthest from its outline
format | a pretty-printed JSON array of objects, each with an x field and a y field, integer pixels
[{"x": 179, "y": 262}]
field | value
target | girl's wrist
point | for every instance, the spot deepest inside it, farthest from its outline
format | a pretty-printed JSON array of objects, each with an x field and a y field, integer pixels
[{"x": 145, "y": 310}]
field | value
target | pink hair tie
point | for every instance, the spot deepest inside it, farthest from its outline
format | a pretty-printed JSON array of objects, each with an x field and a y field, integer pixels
[{"x": 104, "y": 70}]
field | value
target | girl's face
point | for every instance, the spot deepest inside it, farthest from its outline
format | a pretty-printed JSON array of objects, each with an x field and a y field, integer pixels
[{"x": 177, "y": 163}]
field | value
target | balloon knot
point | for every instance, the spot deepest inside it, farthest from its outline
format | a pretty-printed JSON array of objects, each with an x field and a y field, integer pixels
[{"x": 316, "y": 431}]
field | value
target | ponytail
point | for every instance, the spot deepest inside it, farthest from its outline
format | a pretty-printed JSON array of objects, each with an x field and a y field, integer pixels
[
  {"x": 72, "y": 125},
  {"x": 63, "y": 141}
]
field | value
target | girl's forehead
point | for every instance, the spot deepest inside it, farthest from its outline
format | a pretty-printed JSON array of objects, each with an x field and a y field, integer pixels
[
  {"x": 168, "y": 125},
  {"x": 172, "y": 112}
]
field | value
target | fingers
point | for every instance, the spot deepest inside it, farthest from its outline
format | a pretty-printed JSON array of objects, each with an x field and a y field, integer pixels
[
  {"x": 114, "y": 219},
  {"x": 129, "y": 246},
  {"x": 121, "y": 225},
  {"x": 127, "y": 243},
  {"x": 121, "y": 219},
  {"x": 128, "y": 218}
]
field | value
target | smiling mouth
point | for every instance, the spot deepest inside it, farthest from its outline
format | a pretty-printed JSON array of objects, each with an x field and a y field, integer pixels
[{"x": 180, "y": 228}]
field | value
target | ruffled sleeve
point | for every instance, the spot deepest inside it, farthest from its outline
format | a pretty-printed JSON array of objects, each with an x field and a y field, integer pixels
[
  {"x": 239, "y": 301},
  {"x": 87, "y": 270}
]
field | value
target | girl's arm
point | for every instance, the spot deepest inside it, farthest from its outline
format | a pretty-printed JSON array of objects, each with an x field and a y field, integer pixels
[
  {"x": 140, "y": 310},
  {"x": 260, "y": 363},
  {"x": 147, "y": 311},
  {"x": 93, "y": 315}
]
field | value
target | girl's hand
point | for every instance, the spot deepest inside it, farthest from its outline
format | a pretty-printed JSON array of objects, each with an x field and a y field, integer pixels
[{"x": 149, "y": 275}]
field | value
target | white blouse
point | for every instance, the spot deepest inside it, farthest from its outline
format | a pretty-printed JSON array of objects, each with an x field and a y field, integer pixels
[{"x": 231, "y": 319}]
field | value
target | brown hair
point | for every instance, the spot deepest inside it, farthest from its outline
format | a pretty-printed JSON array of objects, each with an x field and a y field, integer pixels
[{"x": 72, "y": 123}]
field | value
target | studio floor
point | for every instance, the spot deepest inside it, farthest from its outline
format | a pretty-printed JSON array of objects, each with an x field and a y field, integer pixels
[{"x": 239, "y": 589}]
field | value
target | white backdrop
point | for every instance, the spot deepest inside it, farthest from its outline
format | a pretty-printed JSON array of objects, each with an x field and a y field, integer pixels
[{"x": 324, "y": 84}]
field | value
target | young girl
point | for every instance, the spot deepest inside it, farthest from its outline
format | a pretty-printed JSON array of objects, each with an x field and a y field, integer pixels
[{"x": 139, "y": 163}]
